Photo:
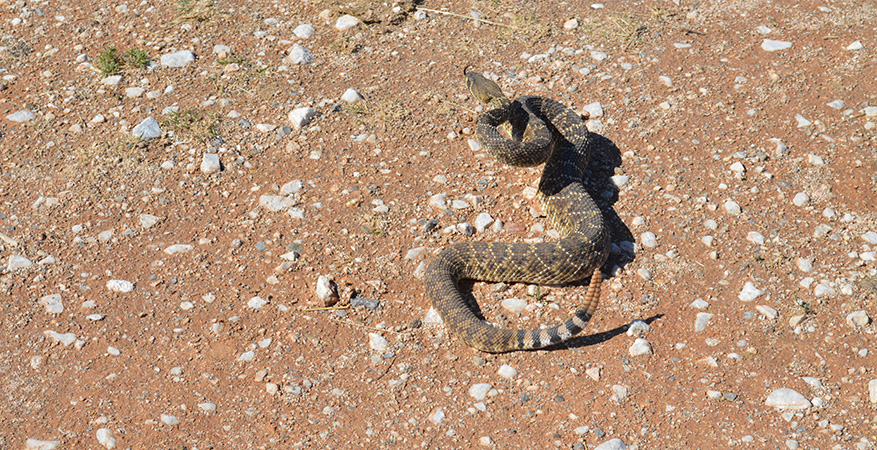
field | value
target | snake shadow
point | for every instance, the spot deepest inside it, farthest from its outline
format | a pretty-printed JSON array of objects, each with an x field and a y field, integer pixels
[{"x": 605, "y": 159}]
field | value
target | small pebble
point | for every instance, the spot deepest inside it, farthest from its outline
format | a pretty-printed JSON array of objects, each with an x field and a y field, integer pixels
[
  {"x": 750, "y": 292},
  {"x": 648, "y": 239},
  {"x": 177, "y": 59},
  {"x": 701, "y": 321},
  {"x": 351, "y": 96},
  {"x": 731, "y": 207},
  {"x": 377, "y": 342},
  {"x": 105, "y": 437},
  {"x": 767, "y": 312},
  {"x": 785, "y": 398},
  {"x": 801, "y": 199},
  {"x": 640, "y": 347},
  {"x": 346, "y": 22},
  {"x": 304, "y": 31},
  {"x": 755, "y": 237},
  {"x": 169, "y": 419},
  {"x": 479, "y": 391},
  {"x": 858, "y": 319},
  {"x": 514, "y": 304},
  {"x": 120, "y": 286},
  {"x": 147, "y": 129},
  {"x": 300, "y": 55},
  {"x": 21, "y": 116},
  {"x": 612, "y": 444},
  {"x": 771, "y": 45},
  {"x": 507, "y": 371}
]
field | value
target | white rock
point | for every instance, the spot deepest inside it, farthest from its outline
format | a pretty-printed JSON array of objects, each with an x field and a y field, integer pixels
[
  {"x": 120, "y": 285},
  {"x": 766, "y": 311},
  {"x": 377, "y": 342},
  {"x": 479, "y": 391},
  {"x": 872, "y": 390},
  {"x": 299, "y": 117},
  {"x": 438, "y": 416},
  {"x": 134, "y": 92},
  {"x": 870, "y": 111},
  {"x": 737, "y": 167},
  {"x": 858, "y": 318},
  {"x": 804, "y": 265},
  {"x": 771, "y": 45},
  {"x": 291, "y": 187},
  {"x": 351, "y": 96},
  {"x": 257, "y": 303},
  {"x": 619, "y": 393},
  {"x": 701, "y": 321},
  {"x": 823, "y": 290},
  {"x": 147, "y": 129},
  {"x": 619, "y": 180},
  {"x": 856, "y": 45},
  {"x": 640, "y": 347},
  {"x": 514, "y": 304},
  {"x": 571, "y": 24},
  {"x": 276, "y": 203},
  {"x": 699, "y": 304},
  {"x": 148, "y": 221},
  {"x": 473, "y": 145},
  {"x": 18, "y": 262},
  {"x": 785, "y": 398},
  {"x": 300, "y": 55},
  {"x": 731, "y": 207},
  {"x": 638, "y": 327},
  {"x": 177, "y": 59},
  {"x": 612, "y": 444},
  {"x": 327, "y": 291},
  {"x": 105, "y": 437},
  {"x": 802, "y": 121},
  {"x": 266, "y": 127},
  {"x": 837, "y": 104},
  {"x": 439, "y": 202},
  {"x": 755, "y": 237},
  {"x": 169, "y": 419},
  {"x": 111, "y": 80},
  {"x": 801, "y": 199},
  {"x": 594, "y": 373},
  {"x": 304, "y": 31},
  {"x": 482, "y": 221},
  {"x": 222, "y": 51},
  {"x": 648, "y": 239},
  {"x": 507, "y": 371},
  {"x": 210, "y": 163},
  {"x": 346, "y": 22},
  {"x": 62, "y": 338},
  {"x": 178, "y": 248},
  {"x": 763, "y": 29},
  {"x": 459, "y": 204},
  {"x": 21, "y": 116},
  {"x": 813, "y": 382},
  {"x": 207, "y": 406},
  {"x": 36, "y": 444},
  {"x": 594, "y": 110},
  {"x": 52, "y": 303},
  {"x": 750, "y": 292},
  {"x": 871, "y": 237},
  {"x": 432, "y": 317}
]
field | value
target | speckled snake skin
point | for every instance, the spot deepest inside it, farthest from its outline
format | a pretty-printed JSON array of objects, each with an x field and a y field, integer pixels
[{"x": 543, "y": 130}]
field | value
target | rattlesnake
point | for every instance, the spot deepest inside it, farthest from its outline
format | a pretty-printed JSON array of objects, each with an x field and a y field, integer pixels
[{"x": 543, "y": 130}]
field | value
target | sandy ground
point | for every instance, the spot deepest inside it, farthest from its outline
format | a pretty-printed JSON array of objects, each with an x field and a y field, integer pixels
[{"x": 152, "y": 298}]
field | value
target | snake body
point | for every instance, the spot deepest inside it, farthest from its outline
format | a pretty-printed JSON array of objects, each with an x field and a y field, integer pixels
[{"x": 543, "y": 131}]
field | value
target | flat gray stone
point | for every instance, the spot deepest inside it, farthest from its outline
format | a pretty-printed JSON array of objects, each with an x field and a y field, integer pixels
[
  {"x": 785, "y": 398},
  {"x": 612, "y": 444},
  {"x": 147, "y": 129},
  {"x": 177, "y": 59},
  {"x": 701, "y": 321},
  {"x": 750, "y": 292},
  {"x": 21, "y": 116},
  {"x": 346, "y": 22},
  {"x": 18, "y": 262},
  {"x": 210, "y": 163}
]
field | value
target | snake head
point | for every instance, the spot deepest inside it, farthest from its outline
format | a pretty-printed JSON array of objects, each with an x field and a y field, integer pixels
[{"x": 483, "y": 89}]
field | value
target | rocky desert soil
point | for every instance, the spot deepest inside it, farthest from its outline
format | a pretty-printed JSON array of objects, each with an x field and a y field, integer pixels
[{"x": 178, "y": 177}]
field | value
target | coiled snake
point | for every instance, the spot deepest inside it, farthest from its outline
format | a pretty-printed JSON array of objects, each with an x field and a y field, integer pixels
[{"x": 543, "y": 130}]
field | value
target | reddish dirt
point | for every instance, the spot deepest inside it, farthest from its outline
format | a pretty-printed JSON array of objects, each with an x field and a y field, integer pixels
[{"x": 74, "y": 190}]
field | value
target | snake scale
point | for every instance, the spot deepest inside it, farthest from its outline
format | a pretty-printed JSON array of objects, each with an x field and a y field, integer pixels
[{"x": 543, "y": 131}]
